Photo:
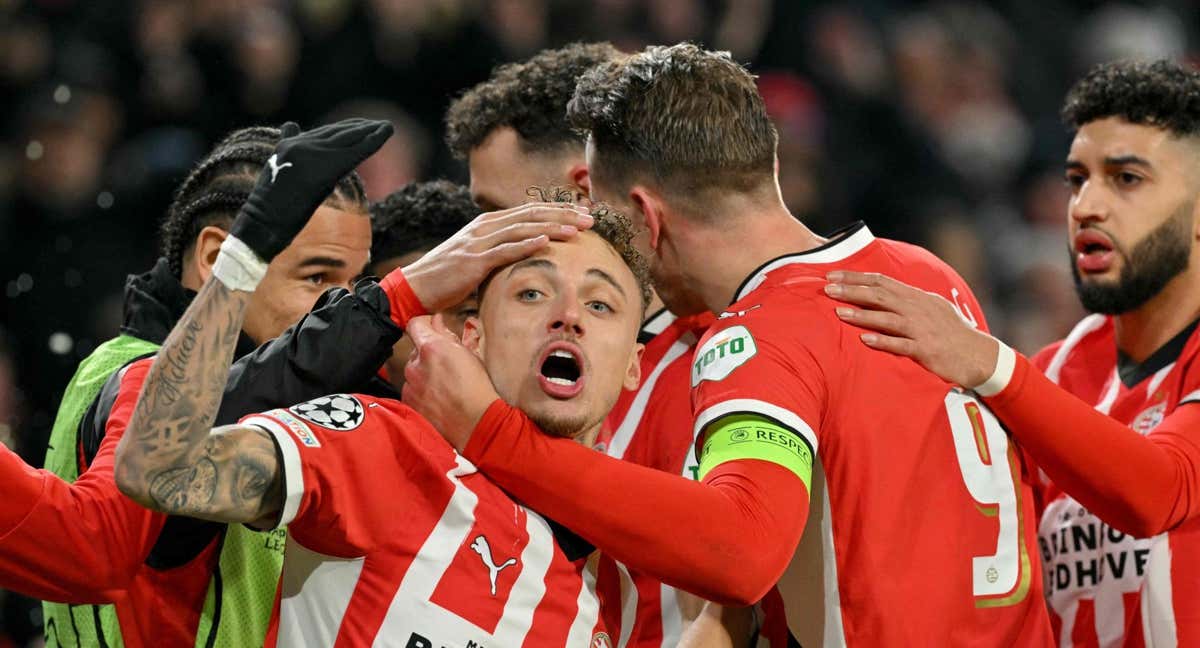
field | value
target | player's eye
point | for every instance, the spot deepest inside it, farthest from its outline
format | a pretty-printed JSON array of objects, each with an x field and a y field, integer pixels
[
  {"x": 1127, "y": 179},
  {"x": 1074, "y": 180},
  {"x": 530, "y": 294},
  {"x": 467, "y": 312},
  {"x": 316, "y": 279},
  {"x": 599, "y": 307}
]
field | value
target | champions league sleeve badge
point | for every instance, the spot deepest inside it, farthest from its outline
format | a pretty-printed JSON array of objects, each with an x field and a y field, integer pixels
[{"x": 340, "y": 412}]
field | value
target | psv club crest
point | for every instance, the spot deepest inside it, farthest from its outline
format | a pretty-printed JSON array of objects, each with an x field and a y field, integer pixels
[
  {"x": 1149, "y": 418},
  {"x": 340, "y": 412}
]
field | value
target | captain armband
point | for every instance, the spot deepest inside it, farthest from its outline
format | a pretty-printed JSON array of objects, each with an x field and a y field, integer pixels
[{"x": 750, "y": 436}]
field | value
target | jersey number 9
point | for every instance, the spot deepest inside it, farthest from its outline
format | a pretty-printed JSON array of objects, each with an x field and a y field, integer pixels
[{"x": 991, "y": 474}]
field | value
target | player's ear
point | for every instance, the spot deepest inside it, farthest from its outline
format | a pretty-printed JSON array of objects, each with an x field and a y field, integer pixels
[
  {"x": 648, "y": 203},
  {"x": 633, "y": 373},
  {"x": 200, "y": 261},
  {"x": 472, "y": 336},
  {"x": 580, "y": 178}
]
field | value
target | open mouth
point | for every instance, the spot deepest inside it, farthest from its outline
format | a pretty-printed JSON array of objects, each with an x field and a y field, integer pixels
[
  {"x": 1093, "y": 251},
  {"x": 561, "y": 373}
]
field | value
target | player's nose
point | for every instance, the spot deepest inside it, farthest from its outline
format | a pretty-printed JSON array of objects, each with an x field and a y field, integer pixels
[
  {"x": 567, "y": 316},
  {"x": 1088, "y": 204}
]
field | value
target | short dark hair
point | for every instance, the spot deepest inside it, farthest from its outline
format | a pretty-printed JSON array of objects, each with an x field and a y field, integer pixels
[
  {"x": 530, "y": 97},
  {"x": 1162, "y": 93},
  {"x": 691, "y": 118},
  {"x": 418, "y": 217},
  {"x": 219, "y": 184}
]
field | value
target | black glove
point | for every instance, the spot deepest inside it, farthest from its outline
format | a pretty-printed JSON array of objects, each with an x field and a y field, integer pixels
[{"x": 299, "y": 177}]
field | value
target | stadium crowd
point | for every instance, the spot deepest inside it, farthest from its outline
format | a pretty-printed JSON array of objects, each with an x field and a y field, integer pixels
[{"x": 936, "y": 123}]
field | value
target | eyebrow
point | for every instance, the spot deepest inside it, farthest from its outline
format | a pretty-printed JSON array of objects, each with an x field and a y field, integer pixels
[
  {"x": 546, "y": 264},
  {"x": 542, "y": 264},
  {"x": 604, "y": 276},
  {"x": 1125, "y": 160},
  {"x": 328, "y": 262},
  {"x": 1121, "y": 160}
]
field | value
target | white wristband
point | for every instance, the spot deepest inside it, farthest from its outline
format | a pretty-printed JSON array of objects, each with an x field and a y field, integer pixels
[
  {"x": 237, "y": 266},
  {"x": 1006, "y": 363}
]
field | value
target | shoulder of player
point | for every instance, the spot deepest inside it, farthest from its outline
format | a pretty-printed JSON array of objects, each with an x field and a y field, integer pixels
[
  {"x": 352, "y": 412},
  {"x": 1190, "y": 360},
  {"x": 1089, "y": 343},
  {"x": 348, "y": 418}
]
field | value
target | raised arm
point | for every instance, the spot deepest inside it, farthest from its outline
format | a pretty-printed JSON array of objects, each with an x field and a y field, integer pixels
[
  {"x": 1143, "y": 485},
  {"x": 747, "y": 511},
  {"x": 170, "y": 459}
]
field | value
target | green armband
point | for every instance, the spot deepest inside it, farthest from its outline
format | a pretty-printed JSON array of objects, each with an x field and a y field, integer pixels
[{"x": 750, "y": 436}]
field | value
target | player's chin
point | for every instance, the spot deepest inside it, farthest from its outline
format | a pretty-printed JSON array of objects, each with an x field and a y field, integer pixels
[{"x": 566, "y": 419}]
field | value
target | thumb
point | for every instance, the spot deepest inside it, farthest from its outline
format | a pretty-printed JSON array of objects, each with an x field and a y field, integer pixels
[
  {"x": 420, "y": 330},
  {"x": 439, "y": 327}
]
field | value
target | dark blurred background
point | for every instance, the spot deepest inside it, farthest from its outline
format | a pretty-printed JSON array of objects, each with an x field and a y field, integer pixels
[{"x": 935, "y": 122}]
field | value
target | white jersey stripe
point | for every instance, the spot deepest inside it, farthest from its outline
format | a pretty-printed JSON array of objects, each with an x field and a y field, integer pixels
[
  {"x": 587, "y": 609},
  {"x": 1158, "y": 379},
  {"x": 1085, "y": 326},
  {"x": 629, "y": 604},
  {"x": 530, "y": 587},
  {"x": 672, "y": 616},
  {"x": 1158, "y": 605},
  {"x": 624, "y": 434},
  {"x": 659, "y": 322},
  {"x": 412, "y": 598},
  {"x": 835, "y": 632},
  {"x": 1068, "y": 624},
  {"x": 293, "y": 474},
  {"x": 315, "y": 591},
  {"x": 1110, "y": 395},
  {"x": 1193, "y": 397},
  {"x": 1109, "y": 616}
]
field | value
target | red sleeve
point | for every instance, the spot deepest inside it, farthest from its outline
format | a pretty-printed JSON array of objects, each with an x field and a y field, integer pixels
[
  {"x": 1140, "y": 485},
  {"x": 741, "y": 532},
  {"x": 403, "y": 301},
  {"x": 333, "y": 495},
  {"x": 80, "y": 542},
  {"x": 757, "y": 364},
  {"x": 1038, "y": 479}
]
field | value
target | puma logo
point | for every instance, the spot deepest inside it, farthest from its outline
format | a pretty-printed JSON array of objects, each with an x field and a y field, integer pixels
[
  {"x": 480, "y": 545},
  {"x": 276, "y": 167}
]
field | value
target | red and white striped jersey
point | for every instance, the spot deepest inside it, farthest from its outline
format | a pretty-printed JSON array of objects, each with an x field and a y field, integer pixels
[
  {"x": 1106, "y": 588},
  {"x": 651, "y": 426},
  {"x": 395, "y": 540}
]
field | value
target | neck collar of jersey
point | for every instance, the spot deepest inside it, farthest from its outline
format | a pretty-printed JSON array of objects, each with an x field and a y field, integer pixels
[
  {"x": 1132, "y": 372},
  {"x": 842, "y": 244},
  {"x": 655, "y": 324}
]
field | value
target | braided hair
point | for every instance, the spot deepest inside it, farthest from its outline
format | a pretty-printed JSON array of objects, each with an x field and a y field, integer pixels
[{"x": 217, "y": 187}]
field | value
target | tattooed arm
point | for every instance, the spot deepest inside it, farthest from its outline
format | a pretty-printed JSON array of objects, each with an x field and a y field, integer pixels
[{"x": 170, "y": 459}]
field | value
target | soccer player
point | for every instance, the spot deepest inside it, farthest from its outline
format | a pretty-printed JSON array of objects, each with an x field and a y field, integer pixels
[
  {"x": 393, "y": 537},
  {"x": 86, "y": 543},
  {"x": 407, "y": 224},
  {"x": 513, "y": 132},
  {"x": 83, "y": 542},
  {"x": 1108, "y": 413},
  {"x": 921, "y": 520}
]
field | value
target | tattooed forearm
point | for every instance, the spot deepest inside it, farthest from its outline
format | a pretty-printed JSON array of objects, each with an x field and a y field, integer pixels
[
  {"x": 232, "y": 477},
  {"x": 168, "y": 460}
]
